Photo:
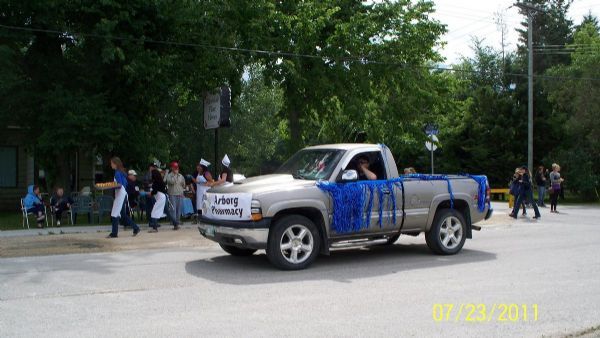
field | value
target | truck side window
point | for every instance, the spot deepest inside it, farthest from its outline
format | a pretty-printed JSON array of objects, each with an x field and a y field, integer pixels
[{"x": 375, "y": 164}]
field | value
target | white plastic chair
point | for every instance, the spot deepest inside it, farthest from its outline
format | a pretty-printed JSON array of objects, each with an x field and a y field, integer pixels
[
  {"x": 55, "y": 220},
  {"x": 26, "y": 214}
]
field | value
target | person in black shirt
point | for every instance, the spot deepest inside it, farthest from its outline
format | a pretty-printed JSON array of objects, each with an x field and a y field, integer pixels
[
  {"x": 525, "y": 193},
  {"x": 133, "y": 192},
  {"x": 60, "y": 203},
  {"x": 364, "y": 172},
  {"x": 147, "y": 185},
  {"x": 159, "y": 191},
  {"x": 226, "y": 177},
  {"x": 540, "y": 181}
]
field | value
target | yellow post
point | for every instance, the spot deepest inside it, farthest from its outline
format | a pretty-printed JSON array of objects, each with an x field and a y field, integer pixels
[{"x": 511, "y": 201}]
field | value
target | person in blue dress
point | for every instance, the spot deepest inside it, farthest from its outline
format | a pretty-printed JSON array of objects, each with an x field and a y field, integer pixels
[{"x": 120, "y": 200}]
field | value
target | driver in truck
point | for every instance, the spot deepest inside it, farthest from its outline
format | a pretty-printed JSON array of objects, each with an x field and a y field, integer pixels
[{"x": 364, "y": 173}]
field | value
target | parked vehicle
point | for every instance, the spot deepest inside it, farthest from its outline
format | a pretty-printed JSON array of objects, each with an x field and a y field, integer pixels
[{"x": 294, "y": 216}]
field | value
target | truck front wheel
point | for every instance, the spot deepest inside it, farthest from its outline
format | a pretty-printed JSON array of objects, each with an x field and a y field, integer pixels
[
  {"x": 448, "y": 232},
  {"x": 294, "y": 243}
]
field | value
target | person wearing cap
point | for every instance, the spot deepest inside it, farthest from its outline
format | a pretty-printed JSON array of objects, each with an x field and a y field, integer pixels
[
  {"x": 203, "y": 180},
  {"x": 525, "y": 194},
  {"x": 133, "y": 191},
  {"x": 175, "y": 188},
  {"x": 226, "y": 177}
]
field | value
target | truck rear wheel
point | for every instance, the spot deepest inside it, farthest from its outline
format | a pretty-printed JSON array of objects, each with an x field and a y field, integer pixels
[
  {"x": 235, "y": 251},
  {"x": 448, "y": 232},
  {"x": 294, "y": 243}
]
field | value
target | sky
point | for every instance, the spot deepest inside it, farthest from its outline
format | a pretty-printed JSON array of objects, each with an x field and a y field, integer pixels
[{"x": 466, "y": 19}]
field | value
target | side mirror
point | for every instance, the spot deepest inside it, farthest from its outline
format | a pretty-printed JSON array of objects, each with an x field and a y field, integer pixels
[{"x": 349, "y": 175}]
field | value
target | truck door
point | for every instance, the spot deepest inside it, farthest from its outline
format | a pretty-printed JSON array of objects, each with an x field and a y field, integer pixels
[{"x": 375, "y": 165}]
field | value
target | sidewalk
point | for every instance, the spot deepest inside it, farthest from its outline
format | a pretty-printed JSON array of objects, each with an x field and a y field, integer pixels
[
  {"x": 55, "y": 230},
  {"x": 91, "y": 239},
  {"x": 81, "y": 229}
]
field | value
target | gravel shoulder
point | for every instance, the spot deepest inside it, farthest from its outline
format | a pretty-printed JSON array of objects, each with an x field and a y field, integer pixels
[{"x": 90, "y": 242}]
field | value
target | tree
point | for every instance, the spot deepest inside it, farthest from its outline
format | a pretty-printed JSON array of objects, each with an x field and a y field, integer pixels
[
  {"x": 334, "y": 84},
  {"x": 257, "y": 133},
  {"x": 552, "y": 28},
  {"x": 577, "y": 95},
  {"x": 112, "y": 77},
  {"x": 483, "y": 133}
]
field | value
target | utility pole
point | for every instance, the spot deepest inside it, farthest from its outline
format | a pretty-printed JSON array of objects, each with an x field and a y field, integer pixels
[
  {"x": 501, "y": 24},
  {"x": 529, "y": 9},
  {"x": 530, "y": 92}
]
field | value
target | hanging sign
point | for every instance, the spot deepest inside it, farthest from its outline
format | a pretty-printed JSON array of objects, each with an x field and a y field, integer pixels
[{"x": 217, "y": 106}]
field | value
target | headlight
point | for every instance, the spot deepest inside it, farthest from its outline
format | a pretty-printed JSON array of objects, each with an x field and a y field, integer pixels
[{"x": 256, "y": 210}]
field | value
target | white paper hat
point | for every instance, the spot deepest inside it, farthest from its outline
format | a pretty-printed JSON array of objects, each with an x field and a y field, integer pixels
[
  {"x": 132, "y": 172},
  {"x": 204, "y": 162},
  {"x": 226, "y": 162}
]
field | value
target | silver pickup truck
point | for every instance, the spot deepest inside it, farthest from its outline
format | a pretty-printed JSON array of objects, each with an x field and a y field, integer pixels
[{"x": 320, "y": 200}]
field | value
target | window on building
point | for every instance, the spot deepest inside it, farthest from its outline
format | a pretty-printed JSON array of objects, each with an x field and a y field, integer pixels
[{"x": 8, "y": 169}]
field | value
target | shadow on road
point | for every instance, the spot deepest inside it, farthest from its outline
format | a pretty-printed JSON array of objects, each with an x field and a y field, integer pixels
[{"x": 342, "y": 265}]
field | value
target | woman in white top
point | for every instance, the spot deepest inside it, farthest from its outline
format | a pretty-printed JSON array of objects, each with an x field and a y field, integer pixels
[{"x": 203, "y": 180}]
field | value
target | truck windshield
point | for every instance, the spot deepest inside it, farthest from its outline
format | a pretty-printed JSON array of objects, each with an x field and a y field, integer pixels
[{"x": 312, "y": 164}]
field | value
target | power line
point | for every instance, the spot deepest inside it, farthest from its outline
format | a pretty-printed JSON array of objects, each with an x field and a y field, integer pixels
[
  {"x": 360, "y": 60},
  {"x": 566, "y": 45}
]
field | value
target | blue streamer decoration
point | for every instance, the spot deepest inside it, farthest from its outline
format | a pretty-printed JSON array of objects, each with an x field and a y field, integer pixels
[
  {"x": 353, "y": 201},
  {"x": 482, "y": 199}
]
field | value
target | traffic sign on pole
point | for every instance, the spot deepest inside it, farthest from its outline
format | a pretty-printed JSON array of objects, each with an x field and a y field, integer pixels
[{"x": 431, "y": 145}]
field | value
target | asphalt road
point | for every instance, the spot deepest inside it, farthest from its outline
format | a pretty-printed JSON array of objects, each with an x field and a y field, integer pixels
[{"x": 383, "y": 291}]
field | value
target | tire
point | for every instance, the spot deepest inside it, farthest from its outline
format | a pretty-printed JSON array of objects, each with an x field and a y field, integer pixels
[
  {"x": 448, "y": 232},
  {"x": 235, "y": 251},
  {"x": 294, "y": 243}
]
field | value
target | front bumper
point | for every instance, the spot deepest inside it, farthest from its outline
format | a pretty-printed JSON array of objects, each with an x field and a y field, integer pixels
[{"x": 246, "y": 234}]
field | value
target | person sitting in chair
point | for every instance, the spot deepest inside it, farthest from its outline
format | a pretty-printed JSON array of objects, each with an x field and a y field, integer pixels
[
  {"x": 364, "y": 172},
  {"x": 33, "y": 203},
  {"x": 60, "y": 203}
]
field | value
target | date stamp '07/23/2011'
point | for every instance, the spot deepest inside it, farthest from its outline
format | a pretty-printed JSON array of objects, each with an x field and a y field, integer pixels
[{"x": 478, "y": 313}]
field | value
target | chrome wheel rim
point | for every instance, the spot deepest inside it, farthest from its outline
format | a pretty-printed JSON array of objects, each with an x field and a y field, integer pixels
[
  {"x": 296, "y": 243},
  {"x": 451, "y": 232}
]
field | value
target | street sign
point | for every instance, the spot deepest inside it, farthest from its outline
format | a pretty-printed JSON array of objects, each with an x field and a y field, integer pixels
[
  {"x": 217, "y": 107},
  {"x": 431, "y": 146},
  {"x": 431, "y": 129}
]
